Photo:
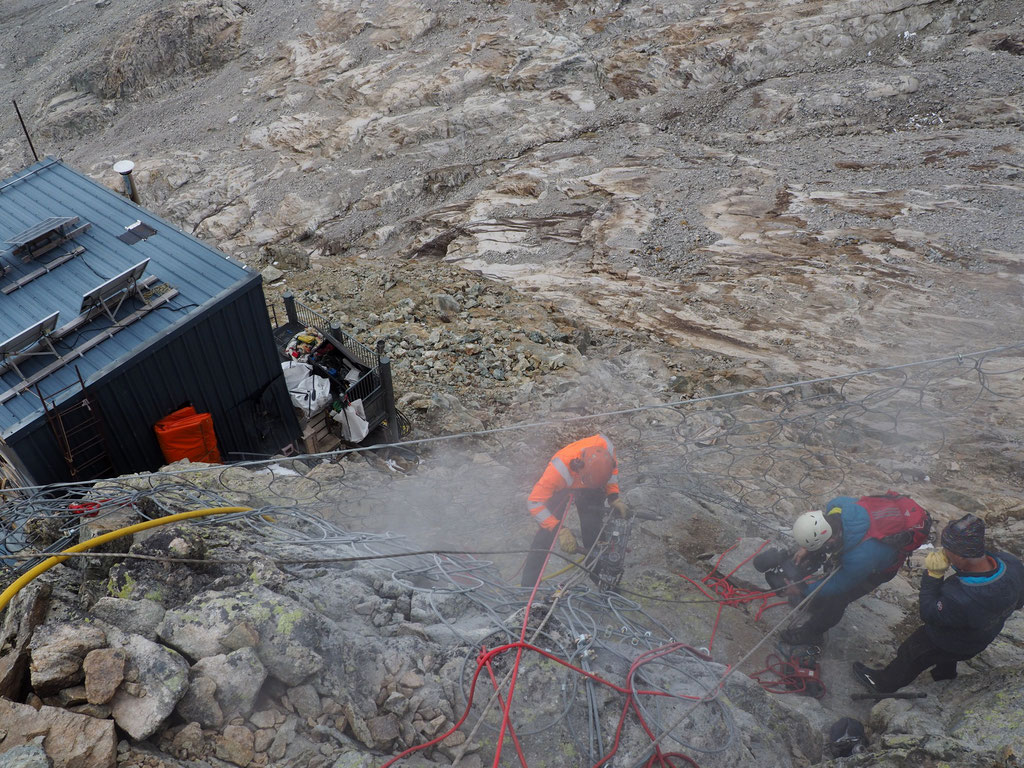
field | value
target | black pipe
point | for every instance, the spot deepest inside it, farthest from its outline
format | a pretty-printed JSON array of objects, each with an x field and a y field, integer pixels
[
  {"x": 27, "y": 137},
  {"x": 394, "y": 432}
]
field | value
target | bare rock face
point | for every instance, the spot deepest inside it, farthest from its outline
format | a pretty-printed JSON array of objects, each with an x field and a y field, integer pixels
[
  {"x": 288, "y": 633},
  {"x": 563, "y": 207},
  {"x": 989, "y": 711},
  {"x": 162, "y": 48},
  {"x": 71, "y": 741},
  {"x": 157, "y": 678}
]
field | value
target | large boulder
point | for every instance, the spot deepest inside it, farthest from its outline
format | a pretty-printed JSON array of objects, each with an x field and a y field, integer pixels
[
  {"x": 157, "y": 678},
  {"x": 165, "y": 582},
  {"x": 24, "y": 613},
  {"x": 238, "y": 675},
  {"x": 57, "y": 652},
  {"x": 70, "y": 740},
  {"x": 288, "y": 634},
  {"x": 199, "y": 704},
  {"x": 137, "y": 617}
]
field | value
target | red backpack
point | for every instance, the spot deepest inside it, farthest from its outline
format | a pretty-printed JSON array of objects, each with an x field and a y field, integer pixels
[{"x": 897, "y": 520}]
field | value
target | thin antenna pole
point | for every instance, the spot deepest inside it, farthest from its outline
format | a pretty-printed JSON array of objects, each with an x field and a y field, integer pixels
[{"x": 27, "y": 137}]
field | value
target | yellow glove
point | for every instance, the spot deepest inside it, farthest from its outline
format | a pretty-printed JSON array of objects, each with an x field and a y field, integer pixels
[
  {"x": 567, "y": 541},
  {"x": 619, "y": 506},
  {"x": 936, "y": 564}
]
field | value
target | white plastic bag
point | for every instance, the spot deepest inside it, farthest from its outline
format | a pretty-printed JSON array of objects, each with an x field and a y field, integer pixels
[
  {"x": 309, "y": 392},
  {"x": 354, "y": 426}
]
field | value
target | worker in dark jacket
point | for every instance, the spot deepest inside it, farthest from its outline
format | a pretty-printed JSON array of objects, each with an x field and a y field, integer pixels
[
  {"x": 585, "y": 471},
  {"x": 861, "y": 563},
  {"x": 962, "y": 614}
]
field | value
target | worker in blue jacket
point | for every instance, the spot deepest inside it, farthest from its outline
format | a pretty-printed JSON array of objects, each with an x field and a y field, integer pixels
[
  {"x": 859, "y": 563},
  {"x": 962, "y": 614}
]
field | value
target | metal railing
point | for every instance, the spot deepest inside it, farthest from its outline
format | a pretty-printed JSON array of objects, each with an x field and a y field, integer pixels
[
  {"x": 355, "y": 349},
  {"x": 374, "y": 387}
]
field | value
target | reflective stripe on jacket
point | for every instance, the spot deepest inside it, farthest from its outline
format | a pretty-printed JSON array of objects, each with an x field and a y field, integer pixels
[{"x": 558, "y": 478}]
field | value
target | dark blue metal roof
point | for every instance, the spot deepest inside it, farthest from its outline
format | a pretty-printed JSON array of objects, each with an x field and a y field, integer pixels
[{"x": 91, "y": 256}]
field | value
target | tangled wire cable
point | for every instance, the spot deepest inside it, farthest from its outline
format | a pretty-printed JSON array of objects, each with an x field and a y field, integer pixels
[{"x": 748, "y": 459}]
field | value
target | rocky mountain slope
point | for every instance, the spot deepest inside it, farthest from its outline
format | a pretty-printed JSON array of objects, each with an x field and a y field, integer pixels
[{"x": 549, "y": 210}]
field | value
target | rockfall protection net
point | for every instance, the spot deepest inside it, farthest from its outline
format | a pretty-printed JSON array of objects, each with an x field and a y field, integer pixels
[{"x": 752, "y": 459}]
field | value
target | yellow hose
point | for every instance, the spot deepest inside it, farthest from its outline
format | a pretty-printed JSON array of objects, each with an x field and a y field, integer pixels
[
  {"x": 8, "y": 594},
  {"x": 569, "y": 567}
]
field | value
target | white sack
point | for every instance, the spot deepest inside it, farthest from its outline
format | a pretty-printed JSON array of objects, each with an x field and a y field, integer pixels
[
  {"x": 354, "y": 426},
  {"x": 309, "y": 392}
]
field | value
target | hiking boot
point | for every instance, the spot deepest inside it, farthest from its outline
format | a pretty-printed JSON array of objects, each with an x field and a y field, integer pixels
[
  {"x": 865, "y": 675},
  {"x": 800, "y": 636},
  {"x": 940, "y": 673}
]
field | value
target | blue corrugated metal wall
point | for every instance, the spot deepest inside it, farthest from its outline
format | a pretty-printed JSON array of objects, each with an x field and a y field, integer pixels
[
  {"x": 223, "y": 362},
  {"x": 49, "y": 188}
]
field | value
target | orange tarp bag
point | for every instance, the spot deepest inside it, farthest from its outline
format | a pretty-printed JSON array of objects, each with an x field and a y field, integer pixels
[{"x": 186, "y": 434}]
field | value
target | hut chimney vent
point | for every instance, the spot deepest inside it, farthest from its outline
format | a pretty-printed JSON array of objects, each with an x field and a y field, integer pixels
[{"x": 125, "y": 168}]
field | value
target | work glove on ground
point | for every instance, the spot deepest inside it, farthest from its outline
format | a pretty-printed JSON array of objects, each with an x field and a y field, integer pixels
[
  {"x": 936, "y": 564},
  {"x": 567, "y": 542},
  {"x": 619, "y": 507}
]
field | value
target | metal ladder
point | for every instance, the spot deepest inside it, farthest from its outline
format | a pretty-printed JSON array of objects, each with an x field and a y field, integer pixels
[{"x": 80, "y": 432}]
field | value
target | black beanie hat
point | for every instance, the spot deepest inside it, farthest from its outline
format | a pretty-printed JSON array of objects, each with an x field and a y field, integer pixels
[{"x": 965, "y": 537}]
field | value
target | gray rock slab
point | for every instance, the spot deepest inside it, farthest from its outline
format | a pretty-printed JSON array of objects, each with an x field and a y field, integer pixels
[
  {"x": 288, "y": 633},
  {"x": 786, "y": 726},
  {"x": 162, "y": 676},
  {"x": 200, "y": 705},
  {"x": 271, "y": 273},
  {"x": 990, "y": 711},
  {"x": 305, "y": 700},
  {"x": 71, "y": 740},
  {"x": 137, "y": 617},
  {"x": 238, "y": 675},
  {"x": 736, "y": 564},
  {"x": 27, "y": 756}
]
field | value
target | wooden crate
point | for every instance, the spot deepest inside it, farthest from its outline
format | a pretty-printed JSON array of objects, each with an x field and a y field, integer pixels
[{"x": 318, "y": 432}]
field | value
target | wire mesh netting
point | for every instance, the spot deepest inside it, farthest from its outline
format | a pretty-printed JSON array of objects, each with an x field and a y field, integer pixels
[{"x": 754, "y": 457}]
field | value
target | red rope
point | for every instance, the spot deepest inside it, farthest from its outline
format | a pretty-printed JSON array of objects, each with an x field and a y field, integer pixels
[
  {"x": 507, "y": 707},
  {"x": 511, "y": 730},
  {"x": 785, "y": 679},
  {"x": 484, "y": 661},
  {"x": 725, "y": 592},
  {"x": 663, "y": 759}
]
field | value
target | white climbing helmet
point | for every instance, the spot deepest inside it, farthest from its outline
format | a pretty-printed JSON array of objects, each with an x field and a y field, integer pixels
[{"x": 811, "y": 530}]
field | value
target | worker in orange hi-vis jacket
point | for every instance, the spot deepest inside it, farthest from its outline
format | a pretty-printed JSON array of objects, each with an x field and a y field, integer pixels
[{"x": 587, "y": 472}]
